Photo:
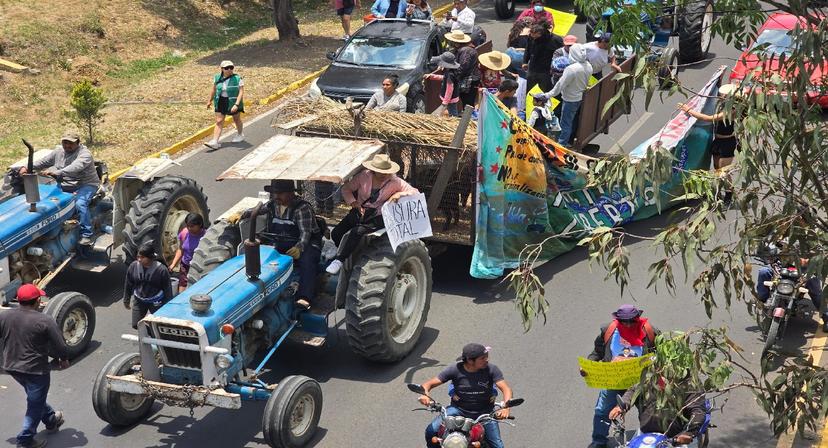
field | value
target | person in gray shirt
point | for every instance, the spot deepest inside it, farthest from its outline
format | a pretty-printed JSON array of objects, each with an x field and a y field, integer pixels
[
  {"x": 72, "y": 164},
  {"x": 388, "y": 98},
  {"x": 29, "y": 337}
]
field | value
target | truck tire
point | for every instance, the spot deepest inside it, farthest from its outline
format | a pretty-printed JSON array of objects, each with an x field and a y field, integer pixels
[
  {"x": 695, "y": 33},
  {"x": 504, "y": 9},
  {"x": 75, "y": 317},
  {"x": 291, "y": 415},
  {"x": 117, "y": 408},
  {"x": 387, "y": 302},
  {"x": 157, "y": 214},
  {"x": 219, "y": 244}
]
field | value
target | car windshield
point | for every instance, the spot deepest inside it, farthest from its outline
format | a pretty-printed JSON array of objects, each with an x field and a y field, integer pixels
[
  {"x": 382, "y": 52},
  {"x": 775, "y": 43}
]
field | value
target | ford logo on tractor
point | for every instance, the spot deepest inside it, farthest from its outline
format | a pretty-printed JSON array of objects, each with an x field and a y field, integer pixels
[{"x": 177, "y": 332}]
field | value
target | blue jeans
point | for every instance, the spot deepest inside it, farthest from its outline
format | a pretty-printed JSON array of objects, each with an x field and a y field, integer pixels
[
  {"x": 517, "y": 60},
  {"x": 812, "y": 284},
  {"x": 568, "y": 112},
  {"x": 37, "y": 410},
  {"x": 607, "y": 399},
  {"x": 308, "y": 268},
  {"x": 83, "y": 195},
  {"x": 491, "y": 427}
]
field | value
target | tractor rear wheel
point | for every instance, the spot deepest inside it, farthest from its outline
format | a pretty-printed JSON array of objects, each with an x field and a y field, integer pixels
[
  {"x": 219, "y": 244},
  {"x": 695, "y": 30},
  {"x": 388, "y": 297},
  {"x": 157, "y": 214},
  {"x": 75, "y": 317},
  {"x": 118, "y": 408},
  {"x": 291, "y": 415}
]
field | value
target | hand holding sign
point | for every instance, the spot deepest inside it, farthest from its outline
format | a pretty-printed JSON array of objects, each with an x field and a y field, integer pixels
[{"x": 406, "y": 219}]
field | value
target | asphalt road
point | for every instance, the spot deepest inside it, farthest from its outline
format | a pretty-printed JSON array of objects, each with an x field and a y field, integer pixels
[{"x": 367, "y": 404}]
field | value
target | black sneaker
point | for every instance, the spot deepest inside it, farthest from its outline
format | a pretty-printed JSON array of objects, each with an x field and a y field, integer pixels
[
  {"x": 57, "y": 422},
  {"x": 33, "y": 444}
]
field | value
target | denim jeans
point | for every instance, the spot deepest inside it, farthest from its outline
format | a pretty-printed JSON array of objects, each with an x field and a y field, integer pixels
[
  {"x": 37, "y": 410},
  {"x": 607, "y": 399},
  {"x": 83, "y": 195},
  {"x": 568, "y": 112},
  {"x": 491, "y": 427},
  {"x": 308, "y": 268}
]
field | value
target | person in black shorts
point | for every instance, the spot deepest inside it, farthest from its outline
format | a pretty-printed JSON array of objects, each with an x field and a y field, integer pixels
[
  {"x": 725, "y": 144},
  {"x": 344, "y": 8},
  {"x": 473, "y": 380}
]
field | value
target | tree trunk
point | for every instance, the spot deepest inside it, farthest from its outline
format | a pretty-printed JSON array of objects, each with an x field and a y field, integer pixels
[{"x": 285, "y": 20}]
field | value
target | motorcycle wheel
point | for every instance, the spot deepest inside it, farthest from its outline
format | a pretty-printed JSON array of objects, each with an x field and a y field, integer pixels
[{"x": 773, "y": 332}]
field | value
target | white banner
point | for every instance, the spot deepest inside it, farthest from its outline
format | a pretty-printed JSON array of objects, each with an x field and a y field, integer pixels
[{"x": 406, "y": 219}]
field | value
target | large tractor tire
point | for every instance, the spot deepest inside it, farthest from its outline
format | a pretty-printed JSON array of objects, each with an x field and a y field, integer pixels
[
  {"x": 695, "y": 32},
  {"x": 291, "y": 415},
  {"x": 505, "y": 9},
  {"x": 157, "y": 214},
  {"x": 219, "y": 244},
  {"x": 117, "y": 408},
  {"x": 75, "y": 317},
  {"x": 388, "y": 297}
]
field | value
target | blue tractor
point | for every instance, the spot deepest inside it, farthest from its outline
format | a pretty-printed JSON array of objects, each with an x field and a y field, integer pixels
[
  {"x": 39, "y": 233},
  {"x": 210, "y": 344}
]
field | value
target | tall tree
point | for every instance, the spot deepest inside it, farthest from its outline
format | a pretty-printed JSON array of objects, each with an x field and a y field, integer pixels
[
  {"x": 286, "y": 22},
  {"x": 779, "y": 187}
]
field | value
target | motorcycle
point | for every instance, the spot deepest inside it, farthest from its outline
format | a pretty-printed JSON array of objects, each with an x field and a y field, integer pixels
[
  {"x": 655, "y": 439},
  {"x": 457, "y": 431},
  {"x": 788, "y": 298}
]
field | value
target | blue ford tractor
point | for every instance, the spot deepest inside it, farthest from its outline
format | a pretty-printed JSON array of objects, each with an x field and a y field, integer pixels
[
  {"x": 210, "y": 344},
  {"x": 39, "y": 232}
]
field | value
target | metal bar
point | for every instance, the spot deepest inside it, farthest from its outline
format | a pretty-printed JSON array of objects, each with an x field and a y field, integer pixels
[
  {"x": 176, "y": 344},
  {"x": 130, "y": 384},
  {"x": 273, "y": 350},
  {"x": 449, "y": 166},
  {"x": 48, "y": 278}
]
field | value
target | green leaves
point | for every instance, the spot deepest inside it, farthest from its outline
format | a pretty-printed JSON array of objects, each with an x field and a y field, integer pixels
[{"x": 87, "y": 102}]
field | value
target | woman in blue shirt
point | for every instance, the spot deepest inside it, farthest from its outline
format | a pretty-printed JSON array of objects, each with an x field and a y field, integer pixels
[{"x": 388, "y": 9}]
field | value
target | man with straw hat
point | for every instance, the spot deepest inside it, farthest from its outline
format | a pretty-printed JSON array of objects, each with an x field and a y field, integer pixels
[
  {"x": 468, "y": 77},
  {"x": 366, "y": 193}
]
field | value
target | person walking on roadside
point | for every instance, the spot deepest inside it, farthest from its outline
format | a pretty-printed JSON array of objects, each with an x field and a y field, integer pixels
[
  {"x": 343, "y": 9},
  {"x": 29, "y": 337},
  {"x": 226, "y": 99},
  {"x": 537, "y": 59},
  {"x": 147, "y": 286},
  {"x": 571, "y": 86},
  {"x": 628, "y": 335}
]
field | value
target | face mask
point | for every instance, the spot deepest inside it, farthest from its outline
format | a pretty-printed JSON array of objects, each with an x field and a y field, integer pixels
[{"x": 538, "y": 8}]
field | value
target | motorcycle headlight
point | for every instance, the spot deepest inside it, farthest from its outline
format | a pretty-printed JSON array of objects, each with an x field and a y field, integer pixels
[
  {"x": 786, "y": 288},
  {"x": 224, "y": 362},
  {"x": 455, "y": 440},
  {"x": 314, "y": 91}
]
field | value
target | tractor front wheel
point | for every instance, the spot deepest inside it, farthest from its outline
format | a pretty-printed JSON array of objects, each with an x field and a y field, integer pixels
[
  {"x": 75, "y": 317},
  {"x": 118, "y": 408},
  {"x": 388, "y": 298},
  {"x": 292, "y": 412}
]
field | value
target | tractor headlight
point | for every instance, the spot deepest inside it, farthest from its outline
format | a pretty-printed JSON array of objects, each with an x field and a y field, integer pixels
[
  {"x": 314, "y": 91},
  {"x": 785, "y": 288},
  {"x": 224, "y": 362}
]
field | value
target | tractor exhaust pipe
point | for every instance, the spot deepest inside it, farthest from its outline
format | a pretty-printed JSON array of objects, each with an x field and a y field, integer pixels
[
  {"x": 252, "y": 257},
  {"x": 30, "y": 180}
]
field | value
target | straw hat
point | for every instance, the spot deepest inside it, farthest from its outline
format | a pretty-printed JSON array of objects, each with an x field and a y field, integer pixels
[
  {"x": 728, "y": 89},
  {"x": 458, "y": 36},
  {"x": 382, "y": 164},
  {"x": 495, "y": 60}
]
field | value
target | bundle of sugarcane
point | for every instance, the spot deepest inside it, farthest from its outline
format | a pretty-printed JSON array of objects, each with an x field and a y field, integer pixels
[{"x": 333, "y": 118}]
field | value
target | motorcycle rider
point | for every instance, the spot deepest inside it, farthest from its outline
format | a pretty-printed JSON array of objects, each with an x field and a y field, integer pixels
[
  {"x": 812, "y": 284},
  {"x": 72, "y": 164},
  {"x": 627, "y": 335},
  {"x": 474, "y": 380},
  {"x": 693, "y": 412}
]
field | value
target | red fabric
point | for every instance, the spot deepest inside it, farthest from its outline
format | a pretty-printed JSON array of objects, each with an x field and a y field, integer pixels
[
  {"x": 633, "y": 335},
  {"x": 545, "y": 15},
  {"x": 359, "y": 189}
]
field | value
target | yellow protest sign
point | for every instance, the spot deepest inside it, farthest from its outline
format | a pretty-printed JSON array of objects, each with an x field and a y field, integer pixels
[
  {"x": 592, "y": 81},
  {"x": 616, "y": 375},
  {"x": 563, "y": 21},
  {"x": 530, "y": 104}
]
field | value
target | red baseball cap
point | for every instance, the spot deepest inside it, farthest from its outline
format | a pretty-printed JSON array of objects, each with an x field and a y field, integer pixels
[{"x": 29, "y": 292}]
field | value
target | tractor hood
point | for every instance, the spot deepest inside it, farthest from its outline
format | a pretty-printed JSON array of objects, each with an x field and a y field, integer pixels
[
  {"x": 235, "y": 298},
  {"x": 19, "y": 226}
]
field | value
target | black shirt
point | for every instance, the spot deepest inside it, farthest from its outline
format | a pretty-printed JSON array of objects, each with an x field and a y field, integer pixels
[
  {"x": 473, "y": 391},
  {"x": 651, "y": 420},
  {"x": 393, "y": 8},
  {"x": 29, "y": 338},
  {"x": 520, "y": 42},
  {"x": 540, "y": 51},
  {"x": 147, "y": 282}
]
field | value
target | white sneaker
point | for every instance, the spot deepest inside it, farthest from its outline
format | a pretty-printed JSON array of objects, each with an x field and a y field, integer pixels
[
  {"x": 238, "y": 138},
  {"x": 334, "y": 267},
  {"x": 215, "y": 144}
]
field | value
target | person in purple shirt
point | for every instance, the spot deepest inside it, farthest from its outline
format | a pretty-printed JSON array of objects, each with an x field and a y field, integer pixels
[{"x": 188, "y": 240}]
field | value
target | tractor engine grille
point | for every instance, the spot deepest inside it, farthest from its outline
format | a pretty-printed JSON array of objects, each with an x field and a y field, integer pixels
[{"x": 176, "y": 356}]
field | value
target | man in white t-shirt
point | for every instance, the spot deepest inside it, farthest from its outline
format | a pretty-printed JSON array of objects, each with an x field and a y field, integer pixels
[
  {"x": 598, "y": 55},
  {"x": 460, "y": 18}
]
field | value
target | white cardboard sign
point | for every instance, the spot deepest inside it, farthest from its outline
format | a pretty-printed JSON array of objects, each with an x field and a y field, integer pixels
[{"x": 407, "y": 219}]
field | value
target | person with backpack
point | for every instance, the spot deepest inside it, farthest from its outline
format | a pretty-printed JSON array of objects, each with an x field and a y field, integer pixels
[
  {"x": 627, "y": 335},
  {"x": 147, "y": 286}
]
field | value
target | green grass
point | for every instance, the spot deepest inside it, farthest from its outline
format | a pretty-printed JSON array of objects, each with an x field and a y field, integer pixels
[
  {"x": 234, "y": 27},
  {"x": 144, "y": 68}
]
